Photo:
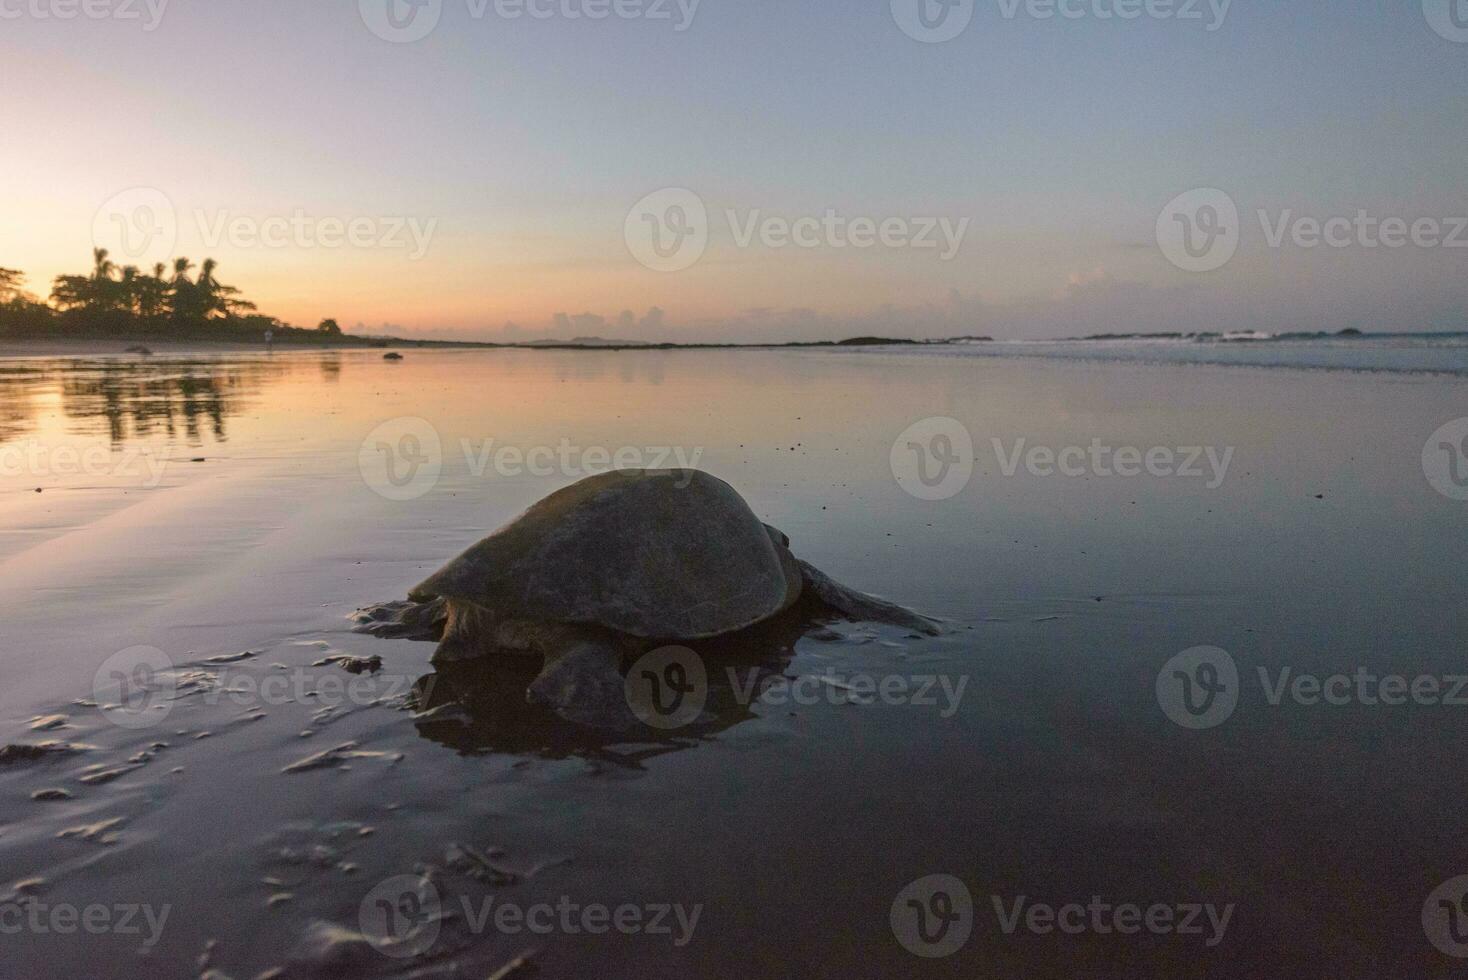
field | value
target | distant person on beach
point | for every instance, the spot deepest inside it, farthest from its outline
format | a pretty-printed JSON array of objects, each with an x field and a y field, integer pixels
[{"x": 269, "y": 339}]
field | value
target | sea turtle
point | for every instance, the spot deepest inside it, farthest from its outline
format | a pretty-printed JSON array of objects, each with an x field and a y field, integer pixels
[{"x": 613, "y": 566}]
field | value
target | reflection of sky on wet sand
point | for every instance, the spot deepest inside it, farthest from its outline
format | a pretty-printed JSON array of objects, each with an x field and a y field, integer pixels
[{"x": 1324, "y": 548}]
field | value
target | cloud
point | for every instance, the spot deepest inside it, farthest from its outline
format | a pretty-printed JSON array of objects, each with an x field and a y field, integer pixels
[{"x": 1088, "y": 301}]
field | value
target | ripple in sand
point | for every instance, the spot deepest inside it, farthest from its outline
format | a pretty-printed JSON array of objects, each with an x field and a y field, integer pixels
[
  {"x": 100, "y": 832},
  {"x": 339, "y": 757}
]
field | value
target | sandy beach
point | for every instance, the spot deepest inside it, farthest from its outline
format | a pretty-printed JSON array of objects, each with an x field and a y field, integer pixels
[{"x": 222, "y": 515}]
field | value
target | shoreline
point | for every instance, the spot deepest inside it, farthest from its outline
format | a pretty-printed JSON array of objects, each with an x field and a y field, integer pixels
[
  {"x": 105, "y": 347},
  {"x": 102, "y": 347}
]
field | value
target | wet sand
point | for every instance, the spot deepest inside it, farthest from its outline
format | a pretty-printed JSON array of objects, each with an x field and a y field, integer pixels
[
  {"x": 12, "y": 348},
  {"x": 262, "y": 799}
]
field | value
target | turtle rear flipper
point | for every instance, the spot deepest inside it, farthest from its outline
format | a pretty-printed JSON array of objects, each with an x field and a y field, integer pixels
[{"x": 860, "y": 607}]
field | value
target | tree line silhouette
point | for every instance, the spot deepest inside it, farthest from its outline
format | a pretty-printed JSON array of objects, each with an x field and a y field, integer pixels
[{"x": 125, "y": 301}]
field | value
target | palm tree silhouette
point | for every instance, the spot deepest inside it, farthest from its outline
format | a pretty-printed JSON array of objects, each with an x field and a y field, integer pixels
[
  {"x": 103, "y": 291},
  {"x": 112, "y": 299},
  {"x": 128, "y": 287}
]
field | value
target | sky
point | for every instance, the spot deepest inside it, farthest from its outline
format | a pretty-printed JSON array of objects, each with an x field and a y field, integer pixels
[{"x": 505, "y": 176}]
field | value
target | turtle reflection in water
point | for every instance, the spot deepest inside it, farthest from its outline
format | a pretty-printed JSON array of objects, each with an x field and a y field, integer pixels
[{"x": 613, "y": 566}]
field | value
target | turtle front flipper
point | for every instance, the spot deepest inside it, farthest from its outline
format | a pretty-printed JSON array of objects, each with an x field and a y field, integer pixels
[
  {"x": 582, "y": 681},
  {"x": 860, "y": 607},
  {"x": 402, "y": 620}
]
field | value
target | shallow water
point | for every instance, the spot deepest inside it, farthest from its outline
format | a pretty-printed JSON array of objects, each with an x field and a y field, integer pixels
[
  {"x": 209, "y": 507},
  {"x": 1435, "y": 353}
]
